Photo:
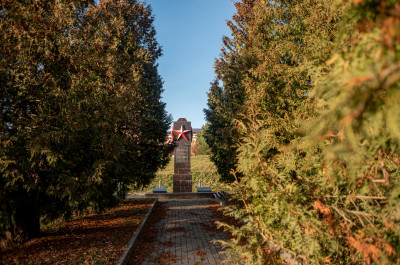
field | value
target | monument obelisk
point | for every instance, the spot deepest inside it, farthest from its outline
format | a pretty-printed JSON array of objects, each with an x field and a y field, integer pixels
[{"x": 182, "y": 134}]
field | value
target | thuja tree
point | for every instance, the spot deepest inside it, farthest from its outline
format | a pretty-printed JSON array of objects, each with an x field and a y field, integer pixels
[
  {"x": 358, "y": 134},
  {"x": 226, "y": 95},
  {"x": 81, "y": 114},
  {"x": 320, "y": 145},
  {"x": 34, "y": 56},
  {"x": 125, "y": 33},
  {"x": 289, "y": 40}
]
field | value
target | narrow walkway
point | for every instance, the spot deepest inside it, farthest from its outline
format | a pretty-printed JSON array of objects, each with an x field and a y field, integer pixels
[{"x": 185, "y": 234}]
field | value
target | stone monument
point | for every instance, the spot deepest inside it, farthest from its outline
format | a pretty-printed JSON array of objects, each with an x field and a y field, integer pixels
[{"x": 182, "y": 134}]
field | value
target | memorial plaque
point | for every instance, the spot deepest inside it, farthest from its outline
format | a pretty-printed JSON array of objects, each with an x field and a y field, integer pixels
[
  {"x": 182, "y": 154},
  {"x": 182, "y": 135}
]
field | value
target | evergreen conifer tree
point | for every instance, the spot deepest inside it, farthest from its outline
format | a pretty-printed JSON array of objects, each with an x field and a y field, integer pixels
[
  {"x": 319, "y": 146},
  {"x": 81, "y": 115},
  {"x": 226, "y": 95}
]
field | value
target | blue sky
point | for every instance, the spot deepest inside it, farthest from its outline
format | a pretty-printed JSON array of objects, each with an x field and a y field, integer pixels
[{"x": 190, "y": 33}]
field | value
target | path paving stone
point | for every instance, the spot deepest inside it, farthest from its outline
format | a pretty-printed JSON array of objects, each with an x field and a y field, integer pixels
[{"x": 183, "y": 234}]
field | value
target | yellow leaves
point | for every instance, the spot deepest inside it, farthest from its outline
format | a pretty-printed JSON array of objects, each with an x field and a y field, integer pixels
[
  {"x": 327, "y": 213},
  {"x": 322, "y": 208},
  {"x": 293, "y": 211},
  {"x": 355, "y": 81},
  {"x": 321, "y": 68},
  {"x": 327, "y": 260},
  {"x": 390, "y": 28},
  {"x": 390, "y": 225},
  {"x": 392, "y": 116},
  {"x": 364, "y": 247},
  {"x": 346, "y": 65},
  {"x": 357, "y": 2},
  {"x": 389, "y": 249},
  {"x": 309, "y": 230}
]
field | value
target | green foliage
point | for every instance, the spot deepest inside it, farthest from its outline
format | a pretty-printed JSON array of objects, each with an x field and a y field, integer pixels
[
  {"x": 226, "y": 95},
  {"x": 81, "y": 115},
  {"x": 319, "y": 146},
  {"x": 200, "y": 145}
]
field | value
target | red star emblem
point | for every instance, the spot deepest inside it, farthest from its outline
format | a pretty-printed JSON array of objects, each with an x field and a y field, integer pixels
[{"x": 181, "y": 133}]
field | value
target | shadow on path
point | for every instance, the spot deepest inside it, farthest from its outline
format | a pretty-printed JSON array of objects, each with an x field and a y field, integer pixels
[{"x": 180, "y": 232}]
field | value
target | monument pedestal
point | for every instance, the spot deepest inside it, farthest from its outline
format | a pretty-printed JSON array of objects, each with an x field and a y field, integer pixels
[
  {"x": 182, "y": 183},
  {"x": 182, "y": 178}
]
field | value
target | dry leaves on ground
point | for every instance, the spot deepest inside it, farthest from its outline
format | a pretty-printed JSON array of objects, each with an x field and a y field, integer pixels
[
  {"x": 96, "y": 238},
  {"x": 148, "y": 238}
]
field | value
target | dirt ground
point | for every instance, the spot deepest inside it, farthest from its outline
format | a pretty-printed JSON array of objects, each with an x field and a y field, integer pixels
[{"x": 94, "y": 239}]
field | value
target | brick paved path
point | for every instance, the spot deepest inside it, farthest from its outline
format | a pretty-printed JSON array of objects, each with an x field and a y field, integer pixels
[{"x": 185, "y": 234}]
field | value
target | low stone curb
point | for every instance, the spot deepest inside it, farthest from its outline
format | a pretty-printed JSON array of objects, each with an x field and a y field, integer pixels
[
  {"x": 221, "y": 202},
  {"x": 177, "y": 195},
  {"x": 128, "y": 251}
]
